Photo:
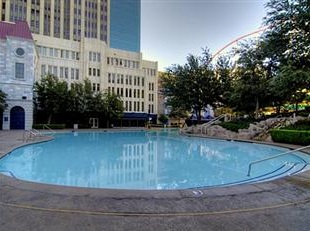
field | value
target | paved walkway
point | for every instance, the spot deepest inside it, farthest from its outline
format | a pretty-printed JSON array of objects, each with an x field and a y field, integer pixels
[{"x": 282, "y": 204}]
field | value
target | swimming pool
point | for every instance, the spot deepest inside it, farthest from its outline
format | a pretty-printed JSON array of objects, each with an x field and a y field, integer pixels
[{"x": 147, "y": 160}]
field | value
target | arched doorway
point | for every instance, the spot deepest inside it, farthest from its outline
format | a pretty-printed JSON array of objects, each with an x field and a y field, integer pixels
[{"x": 17, "y": 118}]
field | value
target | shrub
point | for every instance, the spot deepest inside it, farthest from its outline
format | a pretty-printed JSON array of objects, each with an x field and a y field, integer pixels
[
  {"x": 235, "y": 126},
  {"x": 291, "y": 136},
  {"x": 51, "y": 126},
  {"x": 299, "y": 125}
]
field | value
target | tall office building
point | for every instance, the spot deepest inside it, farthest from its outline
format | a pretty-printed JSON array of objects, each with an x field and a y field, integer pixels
[
  {"x": 67, "y": 19},
  {"x": 125, "y": 24},
  {"x": 72, "y": 42}
]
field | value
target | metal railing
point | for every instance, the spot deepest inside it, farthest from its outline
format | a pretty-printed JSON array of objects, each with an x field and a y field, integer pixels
[
  {"x": 273, "y": 157},
  {"x": 28, "y": 135},
  {"x": 206, "y": 125},
  {"x": 9, "y": 172},
  {"x": 31, "y": 134},
  {"x": 45, "y": 126}
]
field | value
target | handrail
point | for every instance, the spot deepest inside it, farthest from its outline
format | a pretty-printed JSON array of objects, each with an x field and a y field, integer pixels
[
  {"x": 211, "y": 122},
  {"x": 10, "y": 173},
  {"x": 36, "y": 132},
  {"x": 31, "y": 135},
  {"x": 273, "y": 157},
  {"x": 51, "y": 130}
]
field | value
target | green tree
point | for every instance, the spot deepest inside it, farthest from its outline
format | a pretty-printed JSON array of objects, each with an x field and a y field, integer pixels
[
  {"x": 291, "y": 85},
  {"x": 178, "y": 113},
  {"x": 51, "y": 96},
  {"x": 113, "y": 107},
  {"x": 249, "y": 89},
  {"x": 2, "y": 100},
  {"x": 163, "y": 118},
  {"x": 83, "y": 99},
  {"x": 192, "y": 86},
  {"x": 288, "y": 34},
  {"x": 223, "y": 71},
  {"x": 288, "y": 49}
]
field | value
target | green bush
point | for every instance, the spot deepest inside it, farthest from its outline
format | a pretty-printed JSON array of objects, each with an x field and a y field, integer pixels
[
  {"x": 299, "y": 125},
  {"x": 51, "y": 126},
  {"x": 291, "y": 136},
  {"x": 235, "y": 126}
]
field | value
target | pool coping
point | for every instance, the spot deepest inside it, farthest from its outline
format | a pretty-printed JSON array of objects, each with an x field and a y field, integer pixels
[
  {"x": 47, "y": 138},
  {"x": 15, "y": 192}
]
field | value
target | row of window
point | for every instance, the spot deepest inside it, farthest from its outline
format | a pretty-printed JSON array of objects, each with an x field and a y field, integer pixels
[
  {"x": 94, "y": 72},
  {"x": 128, "y": 92},
  {"x": 134, "y": 106},
  {"x": 94, "y": 56},
  {"x": 151, "y": 97},
  {"x": 63, "y": 71},
  {"x": 151, "y": 86},
  {"x": 127, "y": 79},
  {"x": 96, "y": 87},
  {"x": 122, "y": 62},
  {"x": 149, "y": 71},
  {"x": 58, "y": 53}
]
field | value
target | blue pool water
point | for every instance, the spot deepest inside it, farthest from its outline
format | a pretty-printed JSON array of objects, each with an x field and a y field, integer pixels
[{"x": 146, "y": 160}]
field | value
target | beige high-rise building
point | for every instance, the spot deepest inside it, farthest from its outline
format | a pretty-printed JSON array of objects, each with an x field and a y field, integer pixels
[{"x": 72, "y": 43}]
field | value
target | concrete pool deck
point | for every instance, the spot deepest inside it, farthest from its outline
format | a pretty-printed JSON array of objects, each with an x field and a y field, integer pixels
[{"x": 282, "y": 204}]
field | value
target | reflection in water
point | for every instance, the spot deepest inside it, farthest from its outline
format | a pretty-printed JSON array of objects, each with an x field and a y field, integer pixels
[{"x": 139, "y": 160}]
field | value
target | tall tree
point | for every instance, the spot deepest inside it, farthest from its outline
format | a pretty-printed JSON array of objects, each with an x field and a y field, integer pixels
[
  {"x": 51, "y": 96},
  {"x": 291, "y": 85},
  {"x": 192, "y": 86},
  {"x": 288, "y": 34},
  {"x": 2, "y": 100},
  {"x": 223, "y": 71},
  {"x": 249, "y": 92},
  {"x": 113, "y": 107},
  {"x": 288, "y": 49}
]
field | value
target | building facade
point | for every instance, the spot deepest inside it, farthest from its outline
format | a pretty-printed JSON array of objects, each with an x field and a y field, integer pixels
[
  {"x": 125, "y": 23},
  {"x": 17, "y": 74},
  {"x": 72, "y": 43}
]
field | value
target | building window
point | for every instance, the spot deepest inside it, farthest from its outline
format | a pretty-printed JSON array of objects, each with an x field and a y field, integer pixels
[
  {"x": 77, "y": 74},
  {"x": 20, "y": 51},
  {"x": 66, "y": 72},
  {"x": 19, "y": 70},
  {"x": 72, "y": 73},
  {"x": 61, "y": 70},
  {"x": 43, "y": 70}
]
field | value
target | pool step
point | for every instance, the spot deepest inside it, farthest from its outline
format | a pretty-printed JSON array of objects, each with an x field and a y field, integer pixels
[{"x": 284, "y": 170}]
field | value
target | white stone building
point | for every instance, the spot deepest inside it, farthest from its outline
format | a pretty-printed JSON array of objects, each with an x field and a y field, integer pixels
[{"x": 17, "y": 74}]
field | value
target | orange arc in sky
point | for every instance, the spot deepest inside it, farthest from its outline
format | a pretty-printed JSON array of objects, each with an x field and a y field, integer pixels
[{"x": 237, "y": 39}]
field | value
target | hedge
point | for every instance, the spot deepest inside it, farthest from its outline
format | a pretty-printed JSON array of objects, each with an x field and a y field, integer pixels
[
  {"x": 235, "y": 126},
  {"x": 291, "y": 136},
  {"x": 51, "y": 126}
]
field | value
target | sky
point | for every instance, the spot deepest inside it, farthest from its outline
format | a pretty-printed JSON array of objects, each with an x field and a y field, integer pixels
[{"x": 173, "y": 29}]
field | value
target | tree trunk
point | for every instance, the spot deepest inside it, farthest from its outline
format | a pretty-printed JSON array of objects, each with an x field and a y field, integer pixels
[
  {"x": 49, "y": 119},
  {"x": 256, "y": 107}
]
